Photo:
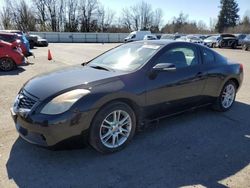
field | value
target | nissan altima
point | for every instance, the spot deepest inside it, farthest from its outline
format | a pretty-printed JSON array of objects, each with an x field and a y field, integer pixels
[{"x": 108, "y": 98}]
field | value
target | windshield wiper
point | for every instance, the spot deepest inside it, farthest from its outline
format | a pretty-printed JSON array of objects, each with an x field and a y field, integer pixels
[{"x": 101, "y": 67}]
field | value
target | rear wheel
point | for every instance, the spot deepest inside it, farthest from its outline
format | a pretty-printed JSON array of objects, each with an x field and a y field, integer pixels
[
  {"x": 112, "y": 128},
  {"x": 227, "y": 97},
  {"x": 7, "y": 64},
  {"x": 234, "y": 46},
  {"x": 244, "y": 47}
]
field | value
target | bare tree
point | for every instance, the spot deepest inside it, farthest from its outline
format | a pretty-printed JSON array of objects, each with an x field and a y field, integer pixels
[
  {"x": 6, "y": 17},
  {"x": 72, "y": 16},
  {"x": 157, "y": 20},
  {"x": 22, "y": 16},
  {"x": 201, "y": 25},
  {"x": 88, "y": 10},
  {"x": 41, "y": 16},
  {"x": 106, "y": 17},
  {"x": 51, "y": 6},
  {"x": 126, "y": 18},
  {"x": 138, "y": 17}
]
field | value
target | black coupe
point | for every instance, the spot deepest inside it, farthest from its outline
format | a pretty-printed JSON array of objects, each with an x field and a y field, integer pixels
[{"x": 108, "y": 98}]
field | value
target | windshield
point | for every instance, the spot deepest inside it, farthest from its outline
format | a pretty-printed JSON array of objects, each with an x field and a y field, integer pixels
[{"x": 127, "y": 57}]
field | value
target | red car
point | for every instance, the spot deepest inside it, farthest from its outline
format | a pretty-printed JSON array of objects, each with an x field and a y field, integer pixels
[
  {"x": 10, "y": 56},
  {"x": 14, "y": 39}
]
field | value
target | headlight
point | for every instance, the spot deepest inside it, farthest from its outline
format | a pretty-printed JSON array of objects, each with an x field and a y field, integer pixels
[{"x": 63, "y": 102}]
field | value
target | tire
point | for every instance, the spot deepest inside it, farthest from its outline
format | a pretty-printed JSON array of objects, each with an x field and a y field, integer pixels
[
  {"x": 244, "y": 47},
  {"x": 7, "y": 64},
  {"x": 32, "y": 44},
  {"x": 220, "y": 104},
  {"x": 234, "y": 46},
  {"x": 213, "y": 45},
  {"x": 103, "y": 126}
]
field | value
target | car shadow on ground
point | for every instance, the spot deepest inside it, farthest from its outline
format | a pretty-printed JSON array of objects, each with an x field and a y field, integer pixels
[
  {"x": 14, "y": 72},
  {"x": 200, "y": 147}
]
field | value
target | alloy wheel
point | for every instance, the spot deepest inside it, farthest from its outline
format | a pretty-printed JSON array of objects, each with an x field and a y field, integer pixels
[
  {"x": 115, "y": 129},
  {"x": 228, "y": 96}
]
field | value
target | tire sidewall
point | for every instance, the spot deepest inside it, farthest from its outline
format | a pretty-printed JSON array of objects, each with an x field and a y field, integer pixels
[{"x": 94, "y": 134}]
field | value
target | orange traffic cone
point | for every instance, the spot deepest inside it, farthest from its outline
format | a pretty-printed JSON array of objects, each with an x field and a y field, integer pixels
[{"x": 49, "y": 55}]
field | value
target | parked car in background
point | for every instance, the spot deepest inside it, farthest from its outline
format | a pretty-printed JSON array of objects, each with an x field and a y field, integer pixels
[
  {"x": 246, "y": 43},
  {"x": 227, "y": 41},
  {"x": 190, "y": 38},
  {"x": 107, "y": 99},
  {"x": 212, "y": 41},
  {"x": 150, "y": 37},
  {"x": 12, "y": 38},
  {"x": 136, "y": 35},
  {"x": 171, "y": 36},
  {"x": 32, "y": 40},
  {"x": 21, "y": 36},
  {"x": 41, "y": 42},
  {"x": 240, "y": 38},
  {"x": 10, "y": 56}
]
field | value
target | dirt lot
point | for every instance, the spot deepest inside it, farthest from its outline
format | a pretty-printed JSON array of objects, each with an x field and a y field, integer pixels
[{"x": 198, "y": 149}]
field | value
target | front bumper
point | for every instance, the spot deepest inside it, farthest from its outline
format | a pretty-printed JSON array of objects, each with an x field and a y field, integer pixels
[{"x": 51, "y": 131}]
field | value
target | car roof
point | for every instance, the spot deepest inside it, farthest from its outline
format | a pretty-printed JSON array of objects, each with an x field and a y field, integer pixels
[
  {"x": 163, "y": 42},
  {"x": 6, "y": 33}
]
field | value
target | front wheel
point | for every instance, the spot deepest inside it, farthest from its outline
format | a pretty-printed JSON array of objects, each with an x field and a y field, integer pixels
[
  {"x": 112, "y": 128},
  {"x": 7, "y": 64},
  {"x": 227, "y": 97}
]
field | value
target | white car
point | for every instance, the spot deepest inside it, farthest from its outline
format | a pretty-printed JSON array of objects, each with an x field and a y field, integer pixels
[
  {"x": 150, "y": 37},
  {"x": 190, "y": 38},
  {"x": 136, "y": 35}
]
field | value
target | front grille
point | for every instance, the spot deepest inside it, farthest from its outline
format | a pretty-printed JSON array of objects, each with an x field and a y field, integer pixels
[{"x": 25, "y": 101}]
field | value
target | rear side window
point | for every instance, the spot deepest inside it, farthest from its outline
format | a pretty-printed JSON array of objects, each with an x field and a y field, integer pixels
[{"x": 208, "y": 56}]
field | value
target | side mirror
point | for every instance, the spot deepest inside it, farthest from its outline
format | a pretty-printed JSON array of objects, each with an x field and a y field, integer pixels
[
  {"x": 85, "y": 63},
  {"x": 164, "y": 67}
]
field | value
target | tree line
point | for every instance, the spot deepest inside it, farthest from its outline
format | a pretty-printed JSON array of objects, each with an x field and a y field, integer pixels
[{"x": 92, "y": 16}]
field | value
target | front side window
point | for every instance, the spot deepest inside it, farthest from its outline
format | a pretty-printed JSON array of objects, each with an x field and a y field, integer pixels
[{"x": 181, "y": 57}]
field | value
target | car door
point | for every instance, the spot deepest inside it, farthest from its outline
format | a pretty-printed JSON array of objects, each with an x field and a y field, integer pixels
[{"x": 173, "y": 91}]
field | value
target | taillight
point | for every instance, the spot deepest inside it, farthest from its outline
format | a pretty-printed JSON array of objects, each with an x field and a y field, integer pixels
[{"x": 241, "y": 68}]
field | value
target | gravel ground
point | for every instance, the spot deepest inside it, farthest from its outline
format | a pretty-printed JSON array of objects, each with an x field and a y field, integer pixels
[{"x": 196, "y": 149}]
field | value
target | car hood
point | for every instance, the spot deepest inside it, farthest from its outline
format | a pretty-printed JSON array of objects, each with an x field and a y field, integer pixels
[{"x": 49, "y": 84}]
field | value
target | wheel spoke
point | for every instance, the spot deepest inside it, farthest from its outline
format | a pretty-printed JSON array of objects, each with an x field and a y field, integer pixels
[
  {"x": 124, "y": 130},
  {"x": 123, "y": 121},
  {"x": 105, "y": 126},
  {"x": 114, "y": 140},
  {"x": 108, "y": 122},
  {"x": 123, "y": 134},
  {"x": 106, "y": 135}
]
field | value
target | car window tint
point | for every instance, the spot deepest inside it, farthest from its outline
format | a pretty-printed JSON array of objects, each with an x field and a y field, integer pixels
[
  {"x": 208, "y": 56},
  {"x": 180, "y": 56}
]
